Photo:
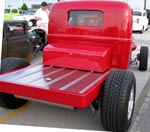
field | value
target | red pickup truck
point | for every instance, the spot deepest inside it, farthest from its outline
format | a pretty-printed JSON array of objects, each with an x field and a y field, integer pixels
[{"x": 85, "y": 63}]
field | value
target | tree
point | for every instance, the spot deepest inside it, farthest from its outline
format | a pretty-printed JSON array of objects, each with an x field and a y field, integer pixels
[{"x": 24, "y": 7}]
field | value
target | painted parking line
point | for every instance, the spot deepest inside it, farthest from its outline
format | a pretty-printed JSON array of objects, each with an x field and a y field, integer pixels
[{"x": 14, "y": 113}]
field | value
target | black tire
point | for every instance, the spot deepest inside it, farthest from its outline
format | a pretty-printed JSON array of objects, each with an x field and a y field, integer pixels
[
  {"x": 147, "y": 27},
  {"x": 143, "y": 58},
  {"x": 115, "y": 101},
  {"x": 9, "y": 101},
  {"x": 142, "y": 30}
]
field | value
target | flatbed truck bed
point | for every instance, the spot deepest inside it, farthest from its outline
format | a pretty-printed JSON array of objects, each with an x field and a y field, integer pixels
[{"x": 54, "y": 84}]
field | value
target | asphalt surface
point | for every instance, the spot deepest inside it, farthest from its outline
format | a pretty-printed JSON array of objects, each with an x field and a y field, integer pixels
[
  {"x": 54, "y": 116},
  {"x": 141, "y": 121}
]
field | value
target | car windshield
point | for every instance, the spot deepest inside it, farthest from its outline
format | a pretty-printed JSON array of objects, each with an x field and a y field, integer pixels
[
  {"x": 29, "y": 13},
  {"x": 137, "y": 13},
  {"x": 7, "y": 11}
]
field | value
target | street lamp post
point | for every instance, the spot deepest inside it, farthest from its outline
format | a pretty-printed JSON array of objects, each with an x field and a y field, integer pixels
[{"x": 144, "y": 4}]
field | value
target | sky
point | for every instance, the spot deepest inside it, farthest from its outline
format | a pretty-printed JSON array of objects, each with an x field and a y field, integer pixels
[
  {"x": 138, "y": 4},
  {"x": 135, "y": 4},
  {"x": 18, "y": 3}
]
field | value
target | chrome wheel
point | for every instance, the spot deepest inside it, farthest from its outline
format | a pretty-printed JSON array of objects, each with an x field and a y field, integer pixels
[
  {"x": 131, "y": 102},
  {"x": 30, "y": 23}
]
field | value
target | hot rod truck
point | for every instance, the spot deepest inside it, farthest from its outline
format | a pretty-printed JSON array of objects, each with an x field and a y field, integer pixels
[{"x": 85, "y": 63}]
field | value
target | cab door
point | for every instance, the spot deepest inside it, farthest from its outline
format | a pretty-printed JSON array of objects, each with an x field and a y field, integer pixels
[
  {"x": 4, "y": 43},
  {"x": 18, "y": 45}
]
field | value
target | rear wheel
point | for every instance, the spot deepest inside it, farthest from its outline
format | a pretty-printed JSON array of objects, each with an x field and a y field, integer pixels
[
  {"x": 143, "y": 58},
  {"x": 142, "y": 30},
  {"x": 9, "y": 100},
  {"x": 147, "y": 27},
  {"x": 118, "y": 101}
]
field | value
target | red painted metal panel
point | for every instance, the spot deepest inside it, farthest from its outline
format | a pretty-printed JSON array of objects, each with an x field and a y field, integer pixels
[
  {"x": 115, "y": 32},
  {"x": 96, "y": 48},
  {"x": 95, "y": 59},
  {"x": 59, "y": 85},
  {"x": 66, "y": 80},
  {"x": 84, "y": 83}
]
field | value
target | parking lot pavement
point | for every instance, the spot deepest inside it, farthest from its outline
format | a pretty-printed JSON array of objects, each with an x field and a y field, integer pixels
[
  {"x": 142, "y": 114},
  {"x": 42, "y": 114},
  {"x": 142, "y": 119}
]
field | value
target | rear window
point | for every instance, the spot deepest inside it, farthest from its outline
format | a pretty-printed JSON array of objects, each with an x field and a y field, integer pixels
[
  {"x": 85, "y": 18},
  {"x": 137, "y": 13}
]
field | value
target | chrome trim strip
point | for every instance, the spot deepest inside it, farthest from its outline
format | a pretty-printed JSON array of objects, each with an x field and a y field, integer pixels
[
  {"x": 17, "y": 72},
  {"x": 45, "y": 68},
  {"x": 58, "y": 70},
  {"x": 75, "y": 81},
  {"x": 93, "y": 83},
  {"x": 61, "y": 77}
]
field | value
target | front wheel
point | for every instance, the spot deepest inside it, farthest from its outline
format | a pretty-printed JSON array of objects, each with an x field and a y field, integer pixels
[
  {"x": 143, "y": 58},
  {"x": 118, "y": 101},
  {"x": 9, "y": 101}
]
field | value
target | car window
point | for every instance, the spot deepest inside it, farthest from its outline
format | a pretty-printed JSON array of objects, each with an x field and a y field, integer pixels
[
  {"x": 29, "y": 13},
  {"x": 137, "y": 13},
  {"x": 16, "y": 29},
  {"x": 85, "y": 18},
  {"x": 14, "y": 11},
  {"x": 7, "y": 11}
]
